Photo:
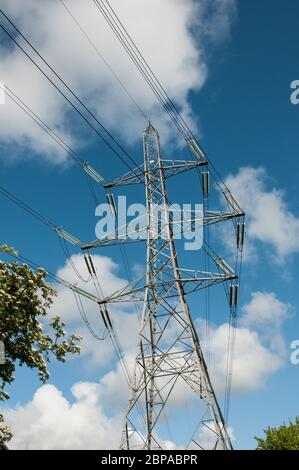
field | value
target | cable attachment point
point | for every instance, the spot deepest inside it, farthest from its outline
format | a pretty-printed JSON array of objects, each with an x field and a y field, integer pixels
[
  {"x": 195, "y": 149},
  {"x": 205, "y": 183},
  {"x": 89, "y": 264},
  {"x": 234, "y": 295},
  {"x": 105, "y": 316},
  {"x": 111, "y": 202},
  {"x": 240, "y": 235}
]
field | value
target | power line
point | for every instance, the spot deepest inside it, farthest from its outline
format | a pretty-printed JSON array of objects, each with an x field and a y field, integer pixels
[
  {"x": 56, "y": 278},
  {"x": 26, "y": 208},
  {"x": 150, "y": 77},
  {"x": 90, "y": 172},
  {"x": 100, "y": 55},
  {"x": 68, "y": 256},
  {"x": 46, "y": 222},
  {"x": 66, "y": 284},
  {"x": 109, "y": 325},
  {"x": 59, "y": 280},
  {"x": 172, "y": 104},
  {"x": 81, "y": 310},
  {"x": 156, "y": 293},
  {"x": 115, "y": 142},
  {"x": 41, "y": 123},
  {"x": 142, "y": 65}
]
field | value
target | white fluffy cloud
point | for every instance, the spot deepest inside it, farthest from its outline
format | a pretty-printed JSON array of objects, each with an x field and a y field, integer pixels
[
  {"x": 93, "y": 418},
  {"x": 252, "y": 363},
  {"x": 269, "y": 219},
  {"x": 266, "y": 314},
  {"x": 124, "y": 319},
  {"x": 161, "y": 29},
  {"x": 50, "y": 421},
  {"x": 259, "y": 348}
]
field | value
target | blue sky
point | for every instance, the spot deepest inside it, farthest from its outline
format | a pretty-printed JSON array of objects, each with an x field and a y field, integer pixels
[{"x": 245, "y": 119}]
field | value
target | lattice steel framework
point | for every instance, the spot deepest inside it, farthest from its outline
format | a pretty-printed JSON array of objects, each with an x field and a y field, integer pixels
[
  {"x": 169, "y": 354},
  {"x": 169, "y": 360}
]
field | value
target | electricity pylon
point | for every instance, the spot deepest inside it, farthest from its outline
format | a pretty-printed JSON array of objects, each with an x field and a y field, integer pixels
[
  {"x": 169, "y": 360},
  {"x": 158, "y": 364}
]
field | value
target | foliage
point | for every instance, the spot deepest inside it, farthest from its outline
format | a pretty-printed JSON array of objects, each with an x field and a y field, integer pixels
[
  {"x": 286, "y": 437},
  {"x": 5, "y": 433},
  {"x": 25, "y": 298}
]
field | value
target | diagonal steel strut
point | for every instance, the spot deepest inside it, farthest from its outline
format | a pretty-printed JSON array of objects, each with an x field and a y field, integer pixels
[{"x": 163, "y": 365}]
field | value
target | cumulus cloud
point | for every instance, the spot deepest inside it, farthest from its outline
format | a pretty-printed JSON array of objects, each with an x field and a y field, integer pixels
[
  {"x": 173, "y": 41},
  {"x": 50, "y": 421},
  {"x": 206, "y": 437},
  {"x": 259, "y": 347},
  {"x": 124, "y": 319},
  {"x": 270, "y": 221},
  {"x": 267, "y": 314},
  {"x": 93, "y": 418},
  {"x": 252, "y": 363}
]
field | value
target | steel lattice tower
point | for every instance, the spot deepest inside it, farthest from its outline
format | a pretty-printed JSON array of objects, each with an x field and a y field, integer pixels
[
  {"x": 169, "y": 361},
  {"x": 162, "y": 365}
]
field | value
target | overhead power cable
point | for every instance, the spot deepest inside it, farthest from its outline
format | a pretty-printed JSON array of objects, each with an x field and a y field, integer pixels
[
  {"x": 142, "y": 65},
  {"x": 62, "y": 235},
  {"x": 122, "y": 34},
  {"x": 76, "y": 291},
  {"x": 27, "y": 110},
  {"x": 104, "y": 61},
  {"x": 26, "y": 208},
  {"x": 119, "y": 151},
  {"x": 82, "y": 312},
  {"x": 90, "y": 171},
  {"x": 56, "y": 278}
]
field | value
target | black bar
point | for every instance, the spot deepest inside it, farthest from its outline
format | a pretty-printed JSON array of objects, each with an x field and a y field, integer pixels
[{"x": 134, "y": 459}]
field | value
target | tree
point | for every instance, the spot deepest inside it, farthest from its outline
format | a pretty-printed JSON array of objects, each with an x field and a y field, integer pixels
[
  {"x": 5, "y": 434},
  {"x": 286, "y": 437},
  {"x": 28, "y": 338}
]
